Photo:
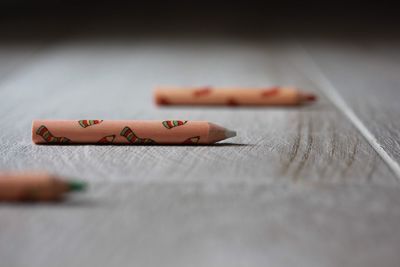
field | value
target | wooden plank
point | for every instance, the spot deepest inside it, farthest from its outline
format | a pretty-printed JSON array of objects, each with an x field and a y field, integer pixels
[
  {"x": 181, "y": 224},
  {"x": 74, "y": 82},
  {"x": 365, "y": 74},
  {"x": 298, "y": 185}
]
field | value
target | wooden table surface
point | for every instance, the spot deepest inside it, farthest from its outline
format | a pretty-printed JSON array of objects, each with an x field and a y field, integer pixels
[{"x": 301, "y": 186}]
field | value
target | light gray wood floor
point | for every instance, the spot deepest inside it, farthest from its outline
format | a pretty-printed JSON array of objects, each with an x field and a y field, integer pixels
[
  {"x": 366, "y": 74},
  {"x": 297, "y": 186}
]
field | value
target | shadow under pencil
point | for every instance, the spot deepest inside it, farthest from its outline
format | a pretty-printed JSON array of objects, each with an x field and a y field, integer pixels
[{"x": 149, "y": 145}]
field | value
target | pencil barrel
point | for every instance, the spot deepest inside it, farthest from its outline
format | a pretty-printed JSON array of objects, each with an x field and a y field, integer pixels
[
  {"x": 31, "y": 187},
  {"x": 227, "y": 96},
  {"x": 124, "y": 132}
]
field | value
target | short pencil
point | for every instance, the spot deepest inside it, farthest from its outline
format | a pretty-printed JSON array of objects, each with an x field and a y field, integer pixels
[
  {"x": 128, "y": 132},
  {"x": 35, "y": 186},
  {"x": 231, "y": 96}
]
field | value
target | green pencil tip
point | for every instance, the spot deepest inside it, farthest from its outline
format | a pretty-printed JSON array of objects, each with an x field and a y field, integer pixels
[{"x": 77, "y": 186}]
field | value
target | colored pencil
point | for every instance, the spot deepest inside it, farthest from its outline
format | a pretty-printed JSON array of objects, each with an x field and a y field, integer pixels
[
  {"x": 128, "y": 132},
  {"x": 273, "y": 96},
  {"x": 35, "y": 186}
]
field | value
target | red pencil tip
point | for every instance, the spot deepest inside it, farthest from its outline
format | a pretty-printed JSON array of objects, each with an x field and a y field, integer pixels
[{"x": 311, "y": 97}]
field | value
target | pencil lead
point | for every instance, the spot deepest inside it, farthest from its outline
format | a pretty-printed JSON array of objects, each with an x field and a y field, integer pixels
[
  {"x": 230, "y": 133},
  {"x": 77, "y": 186}
]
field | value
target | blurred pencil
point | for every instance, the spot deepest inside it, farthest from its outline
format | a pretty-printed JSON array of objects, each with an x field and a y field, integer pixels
[
  {"x": 35, "y": 186},
  {"x": 232, "y": 96}
]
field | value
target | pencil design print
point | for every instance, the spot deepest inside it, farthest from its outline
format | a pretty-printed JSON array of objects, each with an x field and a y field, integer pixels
[
  {"x": 133, "y": 139},
  {"x": 192, "y": 140},
  {"x": 232, "y": 102},
  {"x": 109, "y": 139},
  {"x": 270, "y": 92},
  {"x": 172, "y": 124},
  {"x": 87, "y": 123},
  {"x": 162, "y": 101},
  {"x": 130, "y": 132},
  {"x": 202, "y": 91},
  {"x": 48, "y": 137}
]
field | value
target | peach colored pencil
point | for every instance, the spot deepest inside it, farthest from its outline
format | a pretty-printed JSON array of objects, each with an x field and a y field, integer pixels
[
  {"x": 127, "y": 132},
  {"x": 231, "y": 96},
  {"x": 35, "y": 186}
]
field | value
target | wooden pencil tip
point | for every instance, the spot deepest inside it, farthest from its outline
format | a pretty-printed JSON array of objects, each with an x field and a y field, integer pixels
[{"x": 229, "y": 133}]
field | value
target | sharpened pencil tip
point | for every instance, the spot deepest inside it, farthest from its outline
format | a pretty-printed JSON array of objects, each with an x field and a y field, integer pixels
[
  {"x": 230, "y": 133},
  {"x": 77, "y": 185}
]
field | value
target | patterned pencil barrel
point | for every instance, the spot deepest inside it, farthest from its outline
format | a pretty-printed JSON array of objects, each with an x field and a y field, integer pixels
[
  {"x": 231, "y": 96},
  {"x": 128, "y": 132}
]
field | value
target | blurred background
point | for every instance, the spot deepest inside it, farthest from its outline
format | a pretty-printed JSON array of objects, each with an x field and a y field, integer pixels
[{"x": 36, "y": 19}]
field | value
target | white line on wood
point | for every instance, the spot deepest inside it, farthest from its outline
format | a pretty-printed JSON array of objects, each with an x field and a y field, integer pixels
[{"x": 326, "y": 86}]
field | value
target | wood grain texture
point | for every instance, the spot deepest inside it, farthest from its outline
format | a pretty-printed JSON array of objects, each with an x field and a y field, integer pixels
[
  {"x": 296, "y": 186},
  {"x": 366, "y": 74},
  {"x": 186, "y": 224}
]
